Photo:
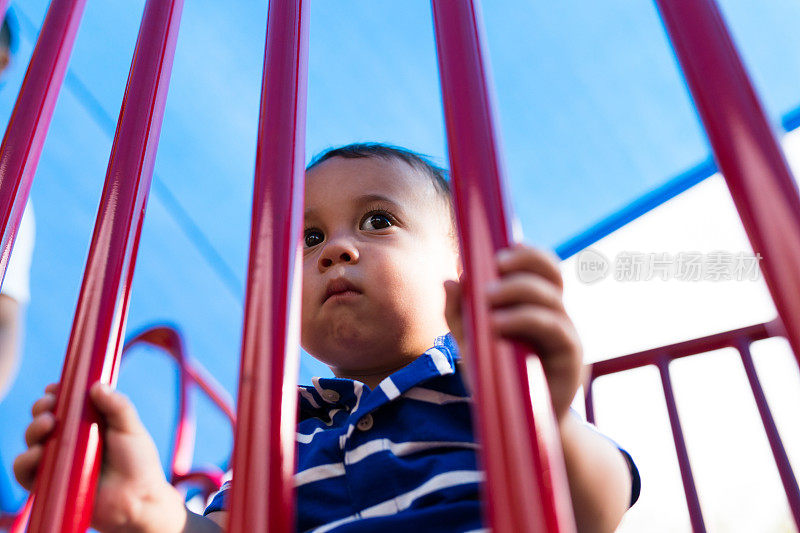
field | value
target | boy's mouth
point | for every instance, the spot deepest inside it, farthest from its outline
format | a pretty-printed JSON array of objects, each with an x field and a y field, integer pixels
[{"x": 339, "y": 286}]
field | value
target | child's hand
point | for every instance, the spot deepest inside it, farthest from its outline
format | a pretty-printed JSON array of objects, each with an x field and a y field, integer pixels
[
  {"x": 132, "y": 489},
  {"x": 527, "y": 306}
]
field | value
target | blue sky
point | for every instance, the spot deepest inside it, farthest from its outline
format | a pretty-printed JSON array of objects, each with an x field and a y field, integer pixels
[{"x": 592, "y": 109}]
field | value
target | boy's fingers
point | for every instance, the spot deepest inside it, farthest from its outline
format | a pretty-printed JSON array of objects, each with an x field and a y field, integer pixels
[
  {"x": 524, "y": 288},
  {"x": 526, "y": 258},
  {"x": 41, "y": 426},
  {"x": 52, "y": 388},
  {"x": 117, "y": 410},
  {"x": 26, "y": 464},
  {"x": 45, "y": 403},
  {"x": 544, "y": 328}
]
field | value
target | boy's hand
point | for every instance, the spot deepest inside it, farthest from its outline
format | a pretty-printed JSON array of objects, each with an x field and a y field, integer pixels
[
  {"x": 527, "y": 306},
  {"x": 132, "y": 490}
]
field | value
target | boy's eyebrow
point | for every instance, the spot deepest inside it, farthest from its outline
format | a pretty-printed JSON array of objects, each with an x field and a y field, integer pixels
[
  {"x": 369, "y": 198},
  {"x": 359, "y": 200}
]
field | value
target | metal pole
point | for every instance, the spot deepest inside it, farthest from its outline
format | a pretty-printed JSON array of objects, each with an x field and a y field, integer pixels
[
  {"x": 689, "y": 489},
  {"x": 526, "y": 489},
  {"x": 27, "y": 128},
  {"x": 778, "y": 451},
  {"x": 67, "y": 478},
  {"x": 262, "y": 493},
  {"x": 745, "y": 148}
]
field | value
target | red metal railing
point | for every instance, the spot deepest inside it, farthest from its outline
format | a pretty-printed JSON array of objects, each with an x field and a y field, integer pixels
[
  {"x": 740, "y": 339},
  {"x": 27, "y": 128},
  {"x": 262, "y": 492},
  {"x": 744, "y": 145},
  {"x": 506, "y": 375},
  {"x": 192, "y": 374},
  {"x": 526, "y": 487},
  {"x": 65, "y": 486}
]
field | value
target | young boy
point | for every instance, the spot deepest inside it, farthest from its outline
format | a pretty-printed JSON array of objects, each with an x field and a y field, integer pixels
[{"x": 388, "y": 444}]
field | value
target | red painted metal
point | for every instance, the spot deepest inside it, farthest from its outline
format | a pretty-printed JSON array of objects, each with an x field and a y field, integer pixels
[
  {"x": 526, "y": 487},
  {"x": 689, "y": 488},
  {"x": 191, "y": 374},
  {"x": 67, "y": 477},
  {"x": 262, "y": 494},
  {"x": 739, "y": 339},
  {"x": 4, "y": 8},
  {"x": 776, "y": 445},
  {"x": 27, "y": 128},
  {"x": 745, "y": 148}
]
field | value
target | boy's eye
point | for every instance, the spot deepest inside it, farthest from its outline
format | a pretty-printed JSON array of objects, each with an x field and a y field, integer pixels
[
  {"x": 312, "y": 237},
  {"x": 375, "y": 221}
]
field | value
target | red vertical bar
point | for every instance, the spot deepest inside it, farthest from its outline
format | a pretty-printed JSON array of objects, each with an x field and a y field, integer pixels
[
  {"x": 67, "y": 477},
  {"x": 744, "y": 146},
  {"x": 262, "y": 495},
  {"x": 526, "y": 487},
  {"x": 27, "y": 128},
  {"x": 588, "y": 396},
  {"x": 692, "y": 501},
  {"x": 774, "y": 438}
]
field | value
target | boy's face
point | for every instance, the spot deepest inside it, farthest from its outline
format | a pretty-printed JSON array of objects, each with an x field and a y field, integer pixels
[{"x": 377, "y": 250}]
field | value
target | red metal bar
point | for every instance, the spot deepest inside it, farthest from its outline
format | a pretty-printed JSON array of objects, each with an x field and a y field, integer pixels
[
  {"x": 67, "y": 477},
  {"x": 526, "y": 487},
  {"x": 27, "y": 128},
  {"x": 692, "y": 501},
  {"x": 4, "y": 8},
  {"x": 778, "y": 452},
  {"x": 745, "y": 148},
  {"x": 660, "y": 357},
  {"x": 191, "y": 374},
  {"x": 671, "y": 352},
  {"x": 262, "y": 494}
]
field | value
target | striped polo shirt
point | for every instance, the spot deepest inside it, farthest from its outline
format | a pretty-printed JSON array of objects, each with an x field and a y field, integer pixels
[{"x": 401, "y": 457}]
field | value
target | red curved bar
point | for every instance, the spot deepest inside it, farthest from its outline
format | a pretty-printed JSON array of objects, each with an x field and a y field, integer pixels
[
  {"x": 262, "y": 494},
  {"x": 65, "y": 485},
  {"x": 191, "y": 374},
  {"x": 27, "y": 128},
  {"x": 745, "y": 148},
  {"x": 526, "y": 487}
]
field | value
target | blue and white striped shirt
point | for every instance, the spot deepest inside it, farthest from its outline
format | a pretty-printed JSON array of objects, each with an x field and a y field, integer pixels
[{"x": 401, "y": 457}]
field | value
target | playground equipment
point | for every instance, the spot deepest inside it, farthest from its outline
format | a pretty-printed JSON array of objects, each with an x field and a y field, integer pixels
[{"x": 743, "y": 144}]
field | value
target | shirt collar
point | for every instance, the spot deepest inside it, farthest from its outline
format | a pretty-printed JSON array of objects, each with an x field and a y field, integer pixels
[{"x": 316, "y": 399}]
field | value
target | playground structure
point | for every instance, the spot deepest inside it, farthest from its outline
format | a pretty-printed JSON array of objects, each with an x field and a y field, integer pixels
[{"x": 746, "y": 151}]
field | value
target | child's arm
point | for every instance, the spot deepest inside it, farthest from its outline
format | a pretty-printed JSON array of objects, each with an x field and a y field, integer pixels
[
  {"x": 527, "y": 306},
  {"x": 132, "y": 493}
]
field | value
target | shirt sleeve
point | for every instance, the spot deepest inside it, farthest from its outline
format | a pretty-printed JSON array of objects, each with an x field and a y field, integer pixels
[
  {"x": 219, "y": 500},
  {"x": 16, "y": 283}
]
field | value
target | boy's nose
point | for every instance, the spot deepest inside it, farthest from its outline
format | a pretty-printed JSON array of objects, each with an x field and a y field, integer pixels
[{"x": 337, "y": 253}]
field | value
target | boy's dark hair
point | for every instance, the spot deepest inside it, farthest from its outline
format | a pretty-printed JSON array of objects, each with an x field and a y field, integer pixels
[{"x": 437, "y": 174}]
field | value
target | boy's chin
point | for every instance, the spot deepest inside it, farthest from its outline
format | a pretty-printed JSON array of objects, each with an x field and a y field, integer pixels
[{"x": 345, "y": 347}]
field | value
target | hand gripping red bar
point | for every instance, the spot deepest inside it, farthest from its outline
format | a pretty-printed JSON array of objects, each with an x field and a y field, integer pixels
[
  {"x": 262, "y": 497},
  {"x": 65, "y": 486},
  {"x": 745, "y": 148},
  {"x": 27, "y": 128},
  {"x": 526, "y": 489}
]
